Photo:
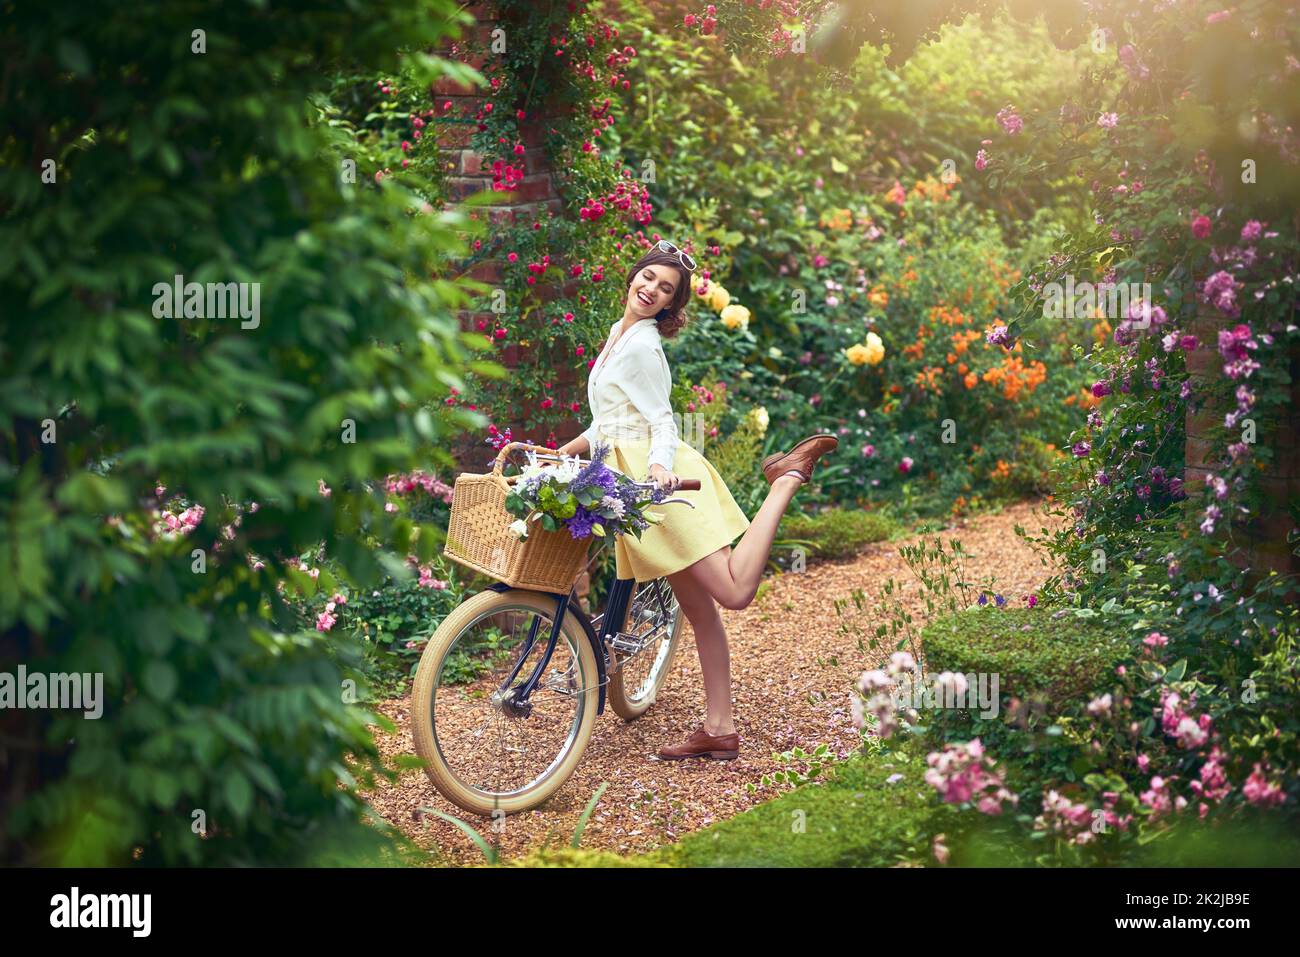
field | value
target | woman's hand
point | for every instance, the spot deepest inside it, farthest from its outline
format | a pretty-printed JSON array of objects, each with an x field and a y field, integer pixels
[{"x": 668, "y": 481}]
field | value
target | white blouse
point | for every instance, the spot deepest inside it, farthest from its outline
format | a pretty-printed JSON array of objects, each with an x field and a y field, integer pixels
[{"x": 628, "y": 391}]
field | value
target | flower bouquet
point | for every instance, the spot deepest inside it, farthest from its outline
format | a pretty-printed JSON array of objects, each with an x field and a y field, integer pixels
[{"x": 586, "y": 500}]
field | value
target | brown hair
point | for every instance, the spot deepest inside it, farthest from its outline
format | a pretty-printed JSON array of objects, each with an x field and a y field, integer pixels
[{"x": 672, "y": 318}]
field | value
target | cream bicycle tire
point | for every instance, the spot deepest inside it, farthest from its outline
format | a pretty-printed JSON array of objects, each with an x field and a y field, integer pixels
[
  {"x": 426, "y": 677},
  {"x": 627, "y": 707}
]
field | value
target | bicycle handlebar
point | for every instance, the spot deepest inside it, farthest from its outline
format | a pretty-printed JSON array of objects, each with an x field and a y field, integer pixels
[{"x": 685, "y": 485}]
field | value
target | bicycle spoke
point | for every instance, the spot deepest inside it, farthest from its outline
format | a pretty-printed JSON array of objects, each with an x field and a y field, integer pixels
[{"x": 502, "y": 752}]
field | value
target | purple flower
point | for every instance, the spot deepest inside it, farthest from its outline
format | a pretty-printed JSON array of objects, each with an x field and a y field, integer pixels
[
  {"x": 1252, "y": 231},
  {"x": 1187, "y": 343},
  {"x": 1234, "y": 346},
  {"x": 1132, "y": 63},
  {"x": 1212, "y": 515},
  {"x": 1100, "y": 389},
  {"x": 1081, "y": 449},
  {"x": 1102, "y": 478},
  {"x": 997, "y": 336},
  {"x": 983, "y": 599},
  {"x": 1009, "y": 121},
  {"x": 999, "y": 600},
  {"x": 1220, "y": 290},
  {"x": 580, "y": 524}
]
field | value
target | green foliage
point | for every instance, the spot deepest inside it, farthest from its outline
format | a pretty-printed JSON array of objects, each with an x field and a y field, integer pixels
[
  {"x": 219, "y": 706},
  {"x": 578, "y": 857},
  {"x": 856, "y": 818},
  {"x": 838, "y": 532},
  {"x": 1037, "y": 654}
]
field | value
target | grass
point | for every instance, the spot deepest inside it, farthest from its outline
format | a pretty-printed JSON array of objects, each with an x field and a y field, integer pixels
[{"x": 856, "y": 818}]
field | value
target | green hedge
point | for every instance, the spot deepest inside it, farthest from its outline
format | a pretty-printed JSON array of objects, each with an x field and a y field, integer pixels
[
  {"x": 856, "y": 818},
  {"x": 838, "y": 532},
  {"x": 1030, "y": 650}
]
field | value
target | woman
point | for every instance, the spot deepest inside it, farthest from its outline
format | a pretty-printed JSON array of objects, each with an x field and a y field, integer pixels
[{"x": 628, "y": 390}]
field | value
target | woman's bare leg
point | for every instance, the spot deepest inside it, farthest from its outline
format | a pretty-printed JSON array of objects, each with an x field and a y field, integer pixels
[
  {"x": 711, "y": 644},
  {"x": 732, "y": 576}
]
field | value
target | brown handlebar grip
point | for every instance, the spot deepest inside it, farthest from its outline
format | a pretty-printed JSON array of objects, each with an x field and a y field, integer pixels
[{"x": 689, "y": 485}]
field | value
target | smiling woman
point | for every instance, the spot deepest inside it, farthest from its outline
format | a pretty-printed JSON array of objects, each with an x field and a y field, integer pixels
[{"x": 628, "y": 388}]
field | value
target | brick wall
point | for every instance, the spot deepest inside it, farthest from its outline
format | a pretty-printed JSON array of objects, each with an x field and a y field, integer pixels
[{"x": 468, "y": 173}]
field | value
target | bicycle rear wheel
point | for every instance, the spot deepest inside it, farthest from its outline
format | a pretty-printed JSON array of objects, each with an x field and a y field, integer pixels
[
  {"x": 482, "y": 749},
  {"x": 649, "y": 640}
]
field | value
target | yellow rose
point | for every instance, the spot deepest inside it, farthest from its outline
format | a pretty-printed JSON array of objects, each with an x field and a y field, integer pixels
[
  {"x": 735, "y": 316},
  {"x": 718, "y": 297},
  {"x": 759, "y": 416},
  {"x": 875, "y": 349},
  {"x": 870, "y": 354}
]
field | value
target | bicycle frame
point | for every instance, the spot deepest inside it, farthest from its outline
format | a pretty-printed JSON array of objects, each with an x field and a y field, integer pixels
[
  {"x": 613, "y": 616},
  {"x": 615, "y": 611}
]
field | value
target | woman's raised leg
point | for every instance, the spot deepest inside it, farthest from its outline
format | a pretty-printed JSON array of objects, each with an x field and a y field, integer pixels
[{"x": 731, "y": 576}]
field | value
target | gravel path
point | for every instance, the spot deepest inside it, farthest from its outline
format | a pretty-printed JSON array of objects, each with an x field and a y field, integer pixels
[{"x": 790, "y": 677}]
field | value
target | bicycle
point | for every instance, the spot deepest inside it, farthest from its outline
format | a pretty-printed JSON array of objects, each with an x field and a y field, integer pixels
[{"x": 492, "y": 742}]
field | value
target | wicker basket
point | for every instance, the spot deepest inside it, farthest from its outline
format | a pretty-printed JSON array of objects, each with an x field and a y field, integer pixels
[{"x": 479, "y": 535}]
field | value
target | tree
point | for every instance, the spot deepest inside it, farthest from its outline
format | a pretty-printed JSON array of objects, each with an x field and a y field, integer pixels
[{"x": 149, "y": 148}]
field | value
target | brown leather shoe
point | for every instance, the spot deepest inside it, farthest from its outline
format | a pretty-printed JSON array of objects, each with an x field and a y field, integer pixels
[
  {"x": 800, "y": 459},
  {"x": 701, "y": 744}
]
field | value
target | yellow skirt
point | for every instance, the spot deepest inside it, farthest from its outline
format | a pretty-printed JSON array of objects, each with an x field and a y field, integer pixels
[{"x": 685, "y": 535}]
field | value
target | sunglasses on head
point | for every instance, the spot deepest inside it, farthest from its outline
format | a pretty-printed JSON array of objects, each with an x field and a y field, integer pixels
[{"x": 685, "y": 259}]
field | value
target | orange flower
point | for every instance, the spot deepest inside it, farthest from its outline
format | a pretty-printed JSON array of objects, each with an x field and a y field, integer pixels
[
  {"x": 961, "y": 340},
  {"x": 1015, "y": 377},
  {"x": 929, "y": 378}
]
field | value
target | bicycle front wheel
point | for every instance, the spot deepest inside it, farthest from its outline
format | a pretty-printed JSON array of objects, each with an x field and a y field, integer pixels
[
  {"x": 483, "y": 749},
  {"x": 645, "y": 648}
]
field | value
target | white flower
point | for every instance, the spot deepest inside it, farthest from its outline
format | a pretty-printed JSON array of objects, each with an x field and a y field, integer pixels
[
  {"x": 1100, "y": 706},
  {"x": 901, "y": 661},
  {"x": 519, "y": 527}
]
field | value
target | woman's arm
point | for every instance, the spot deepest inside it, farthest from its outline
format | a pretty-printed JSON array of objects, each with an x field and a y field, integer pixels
[
  {"x": 576, "y": 446},
  {"x": 646, "y": 389}
]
